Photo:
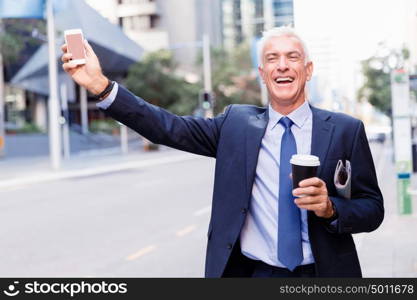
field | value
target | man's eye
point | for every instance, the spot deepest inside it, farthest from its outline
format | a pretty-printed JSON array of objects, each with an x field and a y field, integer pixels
[{"x": 294, "y": 57}]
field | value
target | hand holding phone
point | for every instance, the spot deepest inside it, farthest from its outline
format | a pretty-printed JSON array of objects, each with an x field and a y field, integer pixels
[
  {"x": 81, "y": 63},
  {"x": 75, "y": 42}
]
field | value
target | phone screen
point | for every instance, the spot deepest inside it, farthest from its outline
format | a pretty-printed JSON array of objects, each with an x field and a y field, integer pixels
[{"x": 75, "y": 45}]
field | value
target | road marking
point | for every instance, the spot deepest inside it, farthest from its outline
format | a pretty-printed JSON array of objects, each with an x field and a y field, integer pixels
[
  {"x": 202, "y": 211},
  {"x": 141, "y": 252},
  {"x": 186, "y": 230}
]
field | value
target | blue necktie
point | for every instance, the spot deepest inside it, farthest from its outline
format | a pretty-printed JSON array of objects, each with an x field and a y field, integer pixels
[{"x": 290, "y": 251}]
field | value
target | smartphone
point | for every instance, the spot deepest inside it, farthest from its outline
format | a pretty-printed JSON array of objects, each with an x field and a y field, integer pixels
[{"x": 75, "y": 42}]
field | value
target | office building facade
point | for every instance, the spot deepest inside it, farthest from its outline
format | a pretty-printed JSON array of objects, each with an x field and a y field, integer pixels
[
  {"x": 167, "y": 24},
  {"x": 244, "y": 20}
]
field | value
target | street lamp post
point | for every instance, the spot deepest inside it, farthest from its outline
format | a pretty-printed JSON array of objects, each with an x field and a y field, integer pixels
[
  {"x": 2, "y": 102},
  {"x": 53, "y": 103},
  {"x": 207, "y": 75},
  {"x": 400, "y": 97},
  {"x": 2, "y": 129},
  {"x": 207, "y": 80}
]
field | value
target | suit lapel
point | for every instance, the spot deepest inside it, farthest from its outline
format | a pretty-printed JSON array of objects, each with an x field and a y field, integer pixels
[
  {"x": 255, "y": 131},
  {"x": 322, "y": 133}
]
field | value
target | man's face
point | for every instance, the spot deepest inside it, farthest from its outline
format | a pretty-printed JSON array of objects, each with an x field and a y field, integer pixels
[{"x": 284, "y": 71}]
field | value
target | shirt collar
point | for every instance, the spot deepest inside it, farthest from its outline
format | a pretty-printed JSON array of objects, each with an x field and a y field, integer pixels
[{"x": 298, "y": 116}]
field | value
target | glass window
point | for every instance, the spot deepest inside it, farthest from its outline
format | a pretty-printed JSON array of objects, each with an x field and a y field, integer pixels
[
  {"x": 154, "y": 21},
  {"x": 259, "y": 8},
  {"x": 283, "y": 8}
]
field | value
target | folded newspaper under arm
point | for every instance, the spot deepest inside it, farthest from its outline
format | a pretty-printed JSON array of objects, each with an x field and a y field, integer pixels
[{"x": 342, "y": 179}]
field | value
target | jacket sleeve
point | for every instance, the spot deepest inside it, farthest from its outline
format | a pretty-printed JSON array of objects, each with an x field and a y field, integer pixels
[
  {"x": 364, "y": 211},
  {"x": 192, "y": 134}
]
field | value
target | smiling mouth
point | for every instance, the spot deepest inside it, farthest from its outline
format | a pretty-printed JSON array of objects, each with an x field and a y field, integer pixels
[{"x": 284, "y": 80}]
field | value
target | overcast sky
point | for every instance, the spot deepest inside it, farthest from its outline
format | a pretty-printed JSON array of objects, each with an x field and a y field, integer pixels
[
  {"x": 355, "y": 25},
  {"x": 341, "y": 33}
]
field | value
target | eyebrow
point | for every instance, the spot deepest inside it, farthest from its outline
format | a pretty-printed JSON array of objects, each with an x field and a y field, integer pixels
[
  {"x": 268, "y": 54},
  {"x": 294, "y": 52}
]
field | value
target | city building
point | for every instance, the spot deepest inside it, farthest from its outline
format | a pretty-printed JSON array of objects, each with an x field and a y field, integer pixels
[
  {"x": 28, "y": 89},
  {"x": 244, "y": 20},
  {"x": 166, "y": 24},
  {"x": 336, "y": 72}
]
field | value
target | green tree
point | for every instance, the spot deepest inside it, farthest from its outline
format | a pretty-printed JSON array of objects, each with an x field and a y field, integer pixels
[
  {"x": 233, "y": 79},
  {"x": 376, "y": 69},
  {"x": 154, "y": 79},
  {"x": 16, "y": 35}
]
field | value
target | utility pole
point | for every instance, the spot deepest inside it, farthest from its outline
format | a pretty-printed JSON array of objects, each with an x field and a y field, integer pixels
[
  {"x": 2, "y": 117},
  {"x": 65, "y": 121},
  {"x": 400, "y": 98},
  {"x": 84, "y": 110},
  {"x": 208, "y": 90},
  {"x": 2, "y": 102},
  {"x": 124, "y": 142},
  {"x": 53, "y": 103}
]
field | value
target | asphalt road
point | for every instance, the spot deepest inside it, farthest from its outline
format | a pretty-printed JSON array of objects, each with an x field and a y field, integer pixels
[{"x": 147, "y": 222}]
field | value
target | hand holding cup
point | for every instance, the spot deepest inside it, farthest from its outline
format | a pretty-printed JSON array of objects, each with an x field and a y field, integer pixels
[{"x": 311, "y": 191}]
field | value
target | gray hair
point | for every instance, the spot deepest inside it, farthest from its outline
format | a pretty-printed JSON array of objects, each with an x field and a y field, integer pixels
[{"x": 277, "y": 32}]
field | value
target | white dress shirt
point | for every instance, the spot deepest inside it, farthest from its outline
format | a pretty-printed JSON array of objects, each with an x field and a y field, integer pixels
[{"x": 260, "y": 231}]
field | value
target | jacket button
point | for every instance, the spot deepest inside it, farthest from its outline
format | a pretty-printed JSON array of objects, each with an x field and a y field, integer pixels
[
  {"x": 244, "y": 211},
  {"x": 229, "y": 246}
]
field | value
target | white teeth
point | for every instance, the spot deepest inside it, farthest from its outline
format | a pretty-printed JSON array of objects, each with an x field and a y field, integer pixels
[{"x": 281, "y": 79}]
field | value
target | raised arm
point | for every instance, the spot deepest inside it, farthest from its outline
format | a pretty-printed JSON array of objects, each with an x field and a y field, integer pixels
[{"x": 192, "y": 134}]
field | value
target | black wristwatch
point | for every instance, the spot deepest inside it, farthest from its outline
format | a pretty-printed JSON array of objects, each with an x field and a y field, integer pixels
[{"x": 107, "y": 90}]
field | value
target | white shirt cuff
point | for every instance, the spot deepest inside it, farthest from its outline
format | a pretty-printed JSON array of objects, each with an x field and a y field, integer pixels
[{"x": 106, "y": 102}]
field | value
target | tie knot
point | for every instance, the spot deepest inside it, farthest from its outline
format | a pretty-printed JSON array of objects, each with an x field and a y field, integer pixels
[{"x": 286, "y": 122}]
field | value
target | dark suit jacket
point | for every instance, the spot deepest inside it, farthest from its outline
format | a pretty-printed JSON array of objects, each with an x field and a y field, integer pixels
[{"x": 234, "y": 138}]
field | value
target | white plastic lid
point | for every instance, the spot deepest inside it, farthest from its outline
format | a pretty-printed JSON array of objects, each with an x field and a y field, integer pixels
[{"x": 305, "y": 160}]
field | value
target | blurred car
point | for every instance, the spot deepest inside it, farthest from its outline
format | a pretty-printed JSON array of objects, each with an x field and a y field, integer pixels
[
  {"x": 378, "y": 137},
  {"x": 377, "y": 134}
]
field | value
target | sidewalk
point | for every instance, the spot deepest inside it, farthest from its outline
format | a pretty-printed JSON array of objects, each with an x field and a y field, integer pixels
[
  {"x": 21, "y": 171},
  {"x": 27, "y": 157},
  {"x": 16, "y": 145},
  {"x": 391, "y": 250}
]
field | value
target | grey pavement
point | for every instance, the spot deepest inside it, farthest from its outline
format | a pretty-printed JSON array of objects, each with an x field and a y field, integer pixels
[
  {"x": 391, "y": 250},
  {"x": 148, "y": 221},
  {"x": 27, "y": 161},
  {"x": 145, "y": 214},
  {"x": 17, "y": 145}
]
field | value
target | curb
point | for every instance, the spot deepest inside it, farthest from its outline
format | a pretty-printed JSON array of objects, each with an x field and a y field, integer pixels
[{"x": 60, "y": 175}]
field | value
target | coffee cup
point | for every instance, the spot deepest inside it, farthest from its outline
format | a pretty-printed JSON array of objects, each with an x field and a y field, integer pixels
[{"x": 303, "y": 166}]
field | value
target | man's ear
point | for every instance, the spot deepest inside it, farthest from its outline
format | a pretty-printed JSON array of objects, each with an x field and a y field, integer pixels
[{"x": 309, "y": 69}]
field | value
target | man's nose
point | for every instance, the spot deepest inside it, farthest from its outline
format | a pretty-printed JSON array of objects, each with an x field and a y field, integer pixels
[{"x": 282, "y": 64}]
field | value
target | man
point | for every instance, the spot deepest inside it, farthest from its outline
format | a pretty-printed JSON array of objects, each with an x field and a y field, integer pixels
[{"x": 259, "y": 227}]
